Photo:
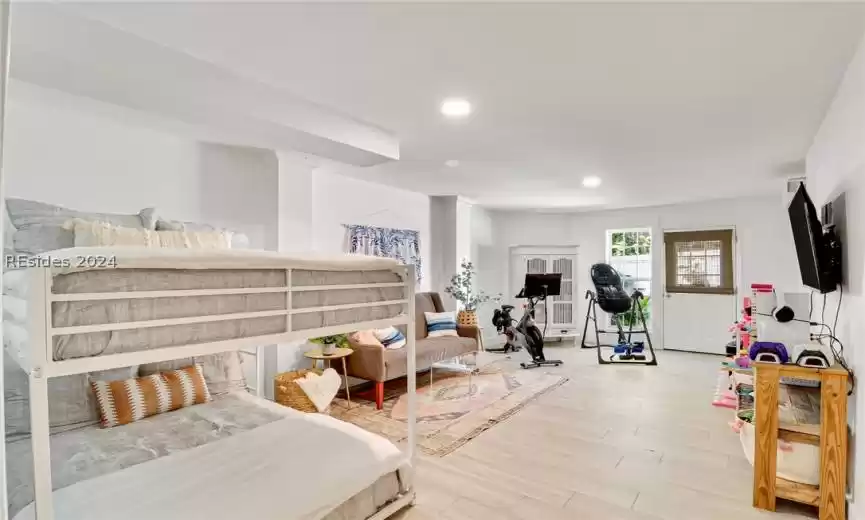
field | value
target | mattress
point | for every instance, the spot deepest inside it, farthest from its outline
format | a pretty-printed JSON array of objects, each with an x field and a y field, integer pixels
[
  {"x": 169, "y": 270},
  {"x": 236, "y": 457}
]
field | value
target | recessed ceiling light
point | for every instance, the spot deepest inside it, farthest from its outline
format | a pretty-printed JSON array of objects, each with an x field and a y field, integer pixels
[
  {"x": 452, "y": 163},
  {"x": 591, "y": 181},
  {"x": 456, "y": 108}
]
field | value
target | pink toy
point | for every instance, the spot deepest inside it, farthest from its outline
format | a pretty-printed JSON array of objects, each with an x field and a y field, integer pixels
[
  {"x": 724, "y": 397},
  {"x": 743, "y": 327}
]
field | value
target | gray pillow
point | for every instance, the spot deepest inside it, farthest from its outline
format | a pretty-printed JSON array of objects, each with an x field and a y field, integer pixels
[
  {"x": 223, "y": 372},
  {"x": 38, "y": 227},
  {"x": 8, "y": 233},
  {"x": 238, "y": 240},
  {"x": 71, "y": 403}
]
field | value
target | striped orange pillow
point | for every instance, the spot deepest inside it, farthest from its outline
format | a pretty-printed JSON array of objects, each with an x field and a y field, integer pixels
[{"x": 123, "y": 402}]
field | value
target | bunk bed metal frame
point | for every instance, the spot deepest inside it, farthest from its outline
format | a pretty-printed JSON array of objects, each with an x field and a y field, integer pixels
[{"x": 41, "y": 366}]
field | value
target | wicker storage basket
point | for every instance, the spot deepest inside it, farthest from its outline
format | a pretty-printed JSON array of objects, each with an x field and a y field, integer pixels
[{"x": 288, "y": 393}]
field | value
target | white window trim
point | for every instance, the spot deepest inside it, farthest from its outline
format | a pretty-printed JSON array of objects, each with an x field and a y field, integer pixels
[{"x": 609, "y": 245}]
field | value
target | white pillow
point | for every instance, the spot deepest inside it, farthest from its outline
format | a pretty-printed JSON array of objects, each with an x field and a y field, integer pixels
[
  {"x": 390, "y": 337},
  {"x": 440, "y": 324},
  {"x": 94, "y": 233}
]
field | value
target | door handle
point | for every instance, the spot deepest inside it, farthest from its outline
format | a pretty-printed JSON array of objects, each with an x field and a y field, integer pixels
[{"x": 668, "y": 295}]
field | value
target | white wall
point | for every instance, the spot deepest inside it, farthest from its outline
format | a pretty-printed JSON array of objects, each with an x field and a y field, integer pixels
[
  {"x": 295, "y": 203},
  {"x": 59, "y": 151},
  {"x": 339, "y": 200},
  {"x": 238, "y": 189},
  {"x": 836, "y": 172},
  {"x": 764, "y": 242}
]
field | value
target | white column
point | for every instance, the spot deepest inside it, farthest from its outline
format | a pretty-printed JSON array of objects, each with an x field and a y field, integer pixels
[
  {"x": 443, "y": 259},
  {"x": 294, "y": 231},
  {"x": 4, "y": 82},
  {"x": 411, "y": 366}
]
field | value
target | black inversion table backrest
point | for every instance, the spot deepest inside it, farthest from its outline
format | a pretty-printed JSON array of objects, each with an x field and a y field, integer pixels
[{"x": 608, "y": 285}]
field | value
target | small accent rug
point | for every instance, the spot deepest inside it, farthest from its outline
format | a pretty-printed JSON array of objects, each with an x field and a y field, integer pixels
[{"x": 450, "y": 413}]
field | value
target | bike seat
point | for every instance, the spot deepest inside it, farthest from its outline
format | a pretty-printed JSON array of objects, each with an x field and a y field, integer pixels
[{"x": 507, "y": 308}]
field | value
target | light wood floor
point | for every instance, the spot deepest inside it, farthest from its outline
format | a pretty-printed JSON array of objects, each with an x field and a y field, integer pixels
[{"x": 614, "y": 443}]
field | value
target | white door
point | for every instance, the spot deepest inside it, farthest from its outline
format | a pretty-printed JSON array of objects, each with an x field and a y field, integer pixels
[{"x": 699, "y": 290}]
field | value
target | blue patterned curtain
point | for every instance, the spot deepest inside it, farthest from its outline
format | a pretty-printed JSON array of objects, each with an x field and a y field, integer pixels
[{"x": 400, "y": 244}]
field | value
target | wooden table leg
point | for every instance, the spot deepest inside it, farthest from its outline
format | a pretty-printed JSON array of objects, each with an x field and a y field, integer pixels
[
  {"x": 766, "y": 442},
  {"x": 833, "y": 447},
  {"x": 345, "y": 378}
]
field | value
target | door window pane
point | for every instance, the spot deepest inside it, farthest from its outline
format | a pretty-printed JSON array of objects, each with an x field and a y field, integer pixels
[{"x": 698, "y": 263}]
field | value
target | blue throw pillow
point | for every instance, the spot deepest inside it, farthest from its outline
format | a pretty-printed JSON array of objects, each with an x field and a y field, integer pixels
[
  {"x": 440, "y": 324},
  {"x": 390, "y": 337}
]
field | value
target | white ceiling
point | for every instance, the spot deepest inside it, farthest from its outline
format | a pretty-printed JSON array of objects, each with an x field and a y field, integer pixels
[{"x": 665, "y": 102}]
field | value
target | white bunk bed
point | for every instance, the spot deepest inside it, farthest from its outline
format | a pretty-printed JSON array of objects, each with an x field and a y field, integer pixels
[{"x": 254, "y": 474}]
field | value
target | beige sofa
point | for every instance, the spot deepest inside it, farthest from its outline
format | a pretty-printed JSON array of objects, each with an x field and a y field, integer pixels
[{"x": 377, "y": 364}]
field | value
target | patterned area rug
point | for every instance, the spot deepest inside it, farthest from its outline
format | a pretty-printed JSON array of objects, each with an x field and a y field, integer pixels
[{"x": 450, "y": 412}]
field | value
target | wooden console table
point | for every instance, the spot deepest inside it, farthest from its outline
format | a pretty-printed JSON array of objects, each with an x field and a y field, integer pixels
[{"x": 829, "y": 496}]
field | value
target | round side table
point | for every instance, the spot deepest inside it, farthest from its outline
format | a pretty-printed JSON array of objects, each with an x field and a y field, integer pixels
[{"x": 341, "y": 353}]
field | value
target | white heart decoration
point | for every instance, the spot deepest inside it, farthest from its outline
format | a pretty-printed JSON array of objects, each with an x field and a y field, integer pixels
[{"x": 321, "y": 389}]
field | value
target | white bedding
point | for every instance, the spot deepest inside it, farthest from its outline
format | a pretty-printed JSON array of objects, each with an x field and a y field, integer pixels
[{"x": 297, "y": 468}]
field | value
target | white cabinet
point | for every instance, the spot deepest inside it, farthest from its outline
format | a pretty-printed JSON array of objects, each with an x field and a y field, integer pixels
[{"x": 560, "y": 311}]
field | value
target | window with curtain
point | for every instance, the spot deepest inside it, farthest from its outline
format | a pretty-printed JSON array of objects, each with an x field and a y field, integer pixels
[{"x": 400, "y": 244}]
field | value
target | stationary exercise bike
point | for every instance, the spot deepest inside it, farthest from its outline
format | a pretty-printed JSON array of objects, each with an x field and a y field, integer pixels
[{"x": 524, "y": 333}]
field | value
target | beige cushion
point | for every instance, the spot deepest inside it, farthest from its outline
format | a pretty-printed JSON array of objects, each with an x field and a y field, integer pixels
[
  {"x": 96, "y": 233},
  {"x": 428, "y": 351},
  {"x": 123, "y": 402},
  {"x": 238, "y": 240},
  {"x": 365, "y": 338}
]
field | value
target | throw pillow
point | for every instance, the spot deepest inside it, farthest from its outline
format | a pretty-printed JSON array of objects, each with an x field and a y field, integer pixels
[
  {"x": 390, "y": 337},
  {"x": 35, "y": 227},
  {"x": 97, "y": 233},
  {"x": 364, "y": 338},
  {"x": 321, "y": 389},
  {"x": 223, "y": 372},
  {"x": 123, "y": 402},
  {"x": 238, "y": 240},
  {"x": 440, "y": 324}
]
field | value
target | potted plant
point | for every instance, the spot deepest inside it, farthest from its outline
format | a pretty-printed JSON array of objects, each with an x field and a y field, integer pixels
[
  {"x": 630, "y": 318},
  {"x": 462, "y": 290},
  {"x": 329, "y": 344}
]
